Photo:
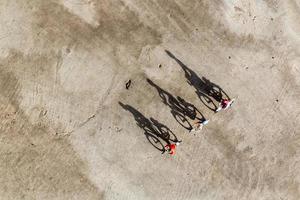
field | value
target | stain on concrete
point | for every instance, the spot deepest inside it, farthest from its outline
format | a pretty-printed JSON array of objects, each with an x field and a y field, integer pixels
[
  {"x": 34, "y": 163},
  {"x": 118, "y": 27}
]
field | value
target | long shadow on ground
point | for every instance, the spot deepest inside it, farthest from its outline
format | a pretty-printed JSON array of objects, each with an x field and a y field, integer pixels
[
  {"x": 180, "y": 109},
  {"x": 159, "y": 135},
  {"x": 205, "y": 89}
]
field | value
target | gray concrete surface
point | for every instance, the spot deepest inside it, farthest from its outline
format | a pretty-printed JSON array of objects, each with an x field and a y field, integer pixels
[{"x": 63, "y": 69}]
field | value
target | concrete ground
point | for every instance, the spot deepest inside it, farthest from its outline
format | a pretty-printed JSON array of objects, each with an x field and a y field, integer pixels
[{"x": 71, "y": 130}]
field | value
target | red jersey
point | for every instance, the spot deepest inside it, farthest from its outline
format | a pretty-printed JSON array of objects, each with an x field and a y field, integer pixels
[
  {"x": 172, "y": 148},
  {"x": 224, "y": 103}
]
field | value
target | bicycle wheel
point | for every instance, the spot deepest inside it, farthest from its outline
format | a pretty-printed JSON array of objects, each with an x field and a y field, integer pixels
[
  {"x": 207, "y": 101},
  {"x": 181, "y": 119},
  {"x": 154, "y": 141}
]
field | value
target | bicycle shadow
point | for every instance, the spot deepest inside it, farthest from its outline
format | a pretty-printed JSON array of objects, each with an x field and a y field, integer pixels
[
  {"x": 180, "y": 109},
  {"x": 156, "y": 133},
  {"x": 206, "y": 90}
]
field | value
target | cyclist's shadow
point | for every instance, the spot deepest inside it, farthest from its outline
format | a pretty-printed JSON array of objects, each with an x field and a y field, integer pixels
[
  {"x": 205, "y": 89},
  {"x": 181, "y": 110},
  {"x": 157, "y": 134}
]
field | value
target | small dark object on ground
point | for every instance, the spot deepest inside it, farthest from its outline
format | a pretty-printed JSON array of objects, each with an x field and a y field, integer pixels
[
  {"x": 229, "y": 57},
  {"x": 277, "y": 100},
  {"x": 128, "y": 84},
  {"x": 272, "y": 57},
  {"x": 159, "y": 65}
]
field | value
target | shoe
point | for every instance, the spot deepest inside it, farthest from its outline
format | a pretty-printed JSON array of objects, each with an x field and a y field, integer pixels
[{"x": 218, "y": 109}]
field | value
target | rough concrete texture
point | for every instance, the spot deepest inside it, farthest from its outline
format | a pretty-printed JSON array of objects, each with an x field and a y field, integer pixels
[{"x": 71, "y": 130}]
